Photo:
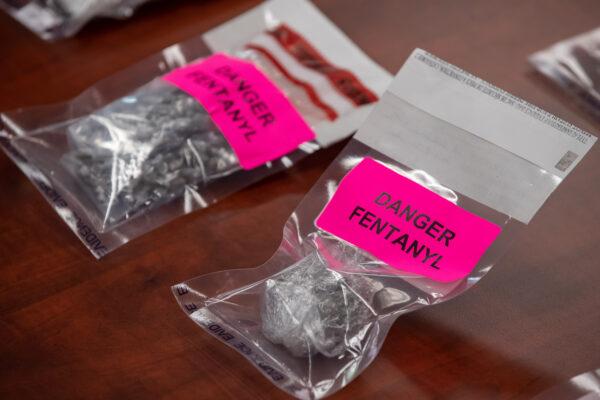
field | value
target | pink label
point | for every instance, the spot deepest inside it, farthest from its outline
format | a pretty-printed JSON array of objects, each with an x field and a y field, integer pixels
[
  {"x": 406, "y": 225},
  {"x": 255, "y": 117}
]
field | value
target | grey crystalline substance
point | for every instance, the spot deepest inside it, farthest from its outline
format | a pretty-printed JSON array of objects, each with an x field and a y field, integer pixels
[
  {"x": 144, "y": 150},
  {"x": 73, "y": 9},
  {"x": 311, "y": 309}
]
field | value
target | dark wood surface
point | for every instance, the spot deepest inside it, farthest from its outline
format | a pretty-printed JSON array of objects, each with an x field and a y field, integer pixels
[{"x": 74, "y": 327}]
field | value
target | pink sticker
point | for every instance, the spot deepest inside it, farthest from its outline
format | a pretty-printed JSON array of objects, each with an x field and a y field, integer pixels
[
  {"x": 406, "y": 225},
  {"x": 255, "y": 117}
]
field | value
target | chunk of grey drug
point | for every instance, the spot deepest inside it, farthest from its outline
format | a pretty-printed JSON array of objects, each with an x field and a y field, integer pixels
[
  {"x": 311, "y": 309},
  {"x": 144, "y": 149}
]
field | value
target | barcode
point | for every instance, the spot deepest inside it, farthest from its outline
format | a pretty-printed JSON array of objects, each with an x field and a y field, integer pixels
[{"x": 566, "y": 161}]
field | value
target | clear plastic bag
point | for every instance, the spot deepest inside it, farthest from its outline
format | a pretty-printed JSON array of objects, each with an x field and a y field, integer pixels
[
  {"x": 584, "y": 386},
  {"x": 315, "y": 315},
  {"x": 574, "y": 64},
  {"x": 142, "y": 144},
  {"x": 56, "y": 19}
]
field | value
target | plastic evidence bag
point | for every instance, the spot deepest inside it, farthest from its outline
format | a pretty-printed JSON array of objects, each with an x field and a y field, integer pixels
[
  {"x": 184, "y": 128},
  {"x": 416, "y": 209},
  {"x": 56, "y": 19},
  {"x": 574, "y": 64}
]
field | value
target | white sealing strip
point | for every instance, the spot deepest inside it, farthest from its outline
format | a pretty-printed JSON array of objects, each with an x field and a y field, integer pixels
[{"x": 470, "y": 103}]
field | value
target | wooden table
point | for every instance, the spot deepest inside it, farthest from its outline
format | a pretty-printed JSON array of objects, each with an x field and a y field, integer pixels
[{"x": 74, "y": 327}]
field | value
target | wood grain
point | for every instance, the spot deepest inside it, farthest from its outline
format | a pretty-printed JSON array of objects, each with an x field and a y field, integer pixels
[{"x": 72, "y": 327}]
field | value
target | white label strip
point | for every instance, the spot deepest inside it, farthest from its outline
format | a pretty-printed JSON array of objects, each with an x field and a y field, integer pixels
[{"x": 469, "y": 103}]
